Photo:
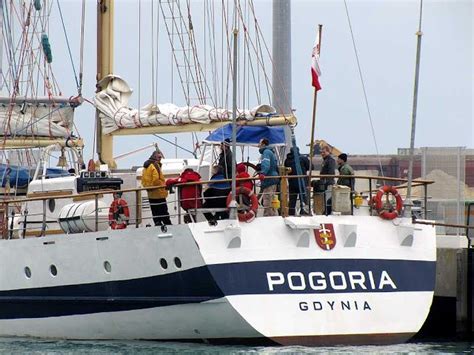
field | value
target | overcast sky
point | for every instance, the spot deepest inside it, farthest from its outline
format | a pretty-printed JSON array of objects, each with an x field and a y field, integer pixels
[{"x": 385, "y": 37}]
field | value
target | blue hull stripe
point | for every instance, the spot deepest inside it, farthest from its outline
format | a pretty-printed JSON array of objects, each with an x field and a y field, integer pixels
[
  {"x": 206, "y": 283},
  {"x": 188, "y": 286},
  {"x": 251, "y": 278}
]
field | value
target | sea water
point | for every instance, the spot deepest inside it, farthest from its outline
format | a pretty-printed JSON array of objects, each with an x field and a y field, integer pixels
[{"x": 41, "y": 346}]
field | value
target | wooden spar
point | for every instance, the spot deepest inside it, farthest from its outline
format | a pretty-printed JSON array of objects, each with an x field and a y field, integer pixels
[
  {"x": 201, "y": 127},
  {"x": 313, "y": 123},
  {"x": 105, "y": 66},
  {"x": 45, "y": 100},
  {"x": 41, "y": 142}
]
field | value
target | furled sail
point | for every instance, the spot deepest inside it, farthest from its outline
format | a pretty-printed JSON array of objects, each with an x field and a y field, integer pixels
[
  {"x": 112, "y": 102},
  {"x": 51, "y": 117}
]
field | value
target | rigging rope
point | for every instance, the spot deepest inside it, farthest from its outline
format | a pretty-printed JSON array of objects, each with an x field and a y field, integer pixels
[
  {"x": 363, "y": 89},
  {"x": 68, "y": 48},
  {"x": 139, "y": 59},
  {"x": 31, "y": 63},
  {"x": 193, "y": 48},
  {"x": 81, "y": 63},
  {"x": 251, "y": 69},
  {"x": 152, "y": 13},
  {"x": 157, "y": 46},
  {"x": 213, "y": 58},
  {"x": 174, "y": 59},
  {"x": 259, "y": 34},
  {"x": 176, "y": 145},
  {"x": 229, "y": 53},
  {"x": 7, "y": 28}
]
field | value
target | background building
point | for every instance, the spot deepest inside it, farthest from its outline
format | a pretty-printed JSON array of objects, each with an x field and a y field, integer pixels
[{"x": 451, "y": 169}]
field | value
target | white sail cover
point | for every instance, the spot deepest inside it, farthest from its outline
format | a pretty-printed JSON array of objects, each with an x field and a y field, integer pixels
[
  {"x": 112, "y": 103},
  {"x": 36, "y": 119}
]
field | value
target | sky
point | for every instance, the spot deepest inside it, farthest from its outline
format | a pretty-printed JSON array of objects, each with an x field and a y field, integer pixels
[{"x": 384, "y": 33}]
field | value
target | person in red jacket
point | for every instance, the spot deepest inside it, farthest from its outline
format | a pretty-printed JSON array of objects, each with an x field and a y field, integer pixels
[
  {"x": 242, "y": 174},
  {"x": 119, "y": 213},
  {"x": 190, "y": 195}
]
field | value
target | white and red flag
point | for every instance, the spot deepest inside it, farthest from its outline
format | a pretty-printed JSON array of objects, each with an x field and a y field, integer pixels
[{"x": 315, "y": 70}]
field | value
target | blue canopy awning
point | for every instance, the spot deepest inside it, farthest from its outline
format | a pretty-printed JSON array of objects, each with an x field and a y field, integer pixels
[
  {"x": 19, "y": 176},
  {"x": 250, "y": 135},
  {"x": 16, "y": 176}
]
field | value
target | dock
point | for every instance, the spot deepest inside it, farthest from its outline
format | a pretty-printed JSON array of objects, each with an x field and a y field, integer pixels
[{"x": 451, "y": 315}]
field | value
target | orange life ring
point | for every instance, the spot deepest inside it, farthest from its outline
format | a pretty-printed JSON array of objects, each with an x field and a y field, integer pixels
[
  {"x": 387, "y": 210},
  {"x": 250, "y": 214},
  {"x": 119, "y": 214}
]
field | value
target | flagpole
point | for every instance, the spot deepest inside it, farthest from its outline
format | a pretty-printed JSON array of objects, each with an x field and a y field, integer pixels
[
  {"x": 313, "y": 125},
  {"x": 408, "y": 202}
]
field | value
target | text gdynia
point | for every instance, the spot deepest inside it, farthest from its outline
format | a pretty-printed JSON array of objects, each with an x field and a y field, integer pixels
[{"x": 335, "y": 306}]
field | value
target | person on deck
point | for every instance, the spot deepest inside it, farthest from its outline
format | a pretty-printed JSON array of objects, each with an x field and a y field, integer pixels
[
  {"x": 243, "y": 174},
  {"x": 293, "y": 184},
  {"x": 153, "y": 177},
  {"x": 119, "y": 213},
  {"x": 189, "y": 195},
  {"x": 328, "y": 167},
  {"x": 268, "y": 169},
  {"x": 225, "y": 159},
  {"x": 345, "y": 169},
  {"x": 215, "y": 196}
]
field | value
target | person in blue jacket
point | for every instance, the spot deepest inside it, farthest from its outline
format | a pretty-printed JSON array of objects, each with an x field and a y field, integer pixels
[
  {"x": 268, "y": 169},
  {"x": 215, "y": 195}
]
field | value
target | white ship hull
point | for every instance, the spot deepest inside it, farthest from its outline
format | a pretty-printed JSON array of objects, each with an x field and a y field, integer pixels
[{"x": 265, "y": 280}]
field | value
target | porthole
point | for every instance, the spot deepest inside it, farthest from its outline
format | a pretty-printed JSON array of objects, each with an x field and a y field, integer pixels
[
  {"x": 51, "y": 205},
  {"x": 27, "y": 272},
  {"x": 177, "y": 262},
  {"x": 163, "y": 263},
  {"x": 53, "y": 270},
  {"x": 107, "y": 267}
]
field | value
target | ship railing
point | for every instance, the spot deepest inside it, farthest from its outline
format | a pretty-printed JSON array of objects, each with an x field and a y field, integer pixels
[
  {"x": 37, "y": 224},
  {"x": 374, "y": 183}
]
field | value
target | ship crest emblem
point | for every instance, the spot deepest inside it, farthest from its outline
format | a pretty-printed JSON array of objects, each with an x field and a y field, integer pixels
[{"x": 325, "y": 236}]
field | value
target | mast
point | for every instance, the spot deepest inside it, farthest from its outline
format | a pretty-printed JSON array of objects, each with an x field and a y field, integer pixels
[
  {"x": 408, "y": 202},
  {"x": 281, "y": 80},
  {"x": 105, "y": 66},
  {"x": 281, "y": 53}
]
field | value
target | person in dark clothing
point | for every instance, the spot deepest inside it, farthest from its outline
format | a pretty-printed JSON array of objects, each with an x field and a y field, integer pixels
[
  {"x": 215, "y": 196},
  {"x": 225, "y": 159},
  {"x": 328, "y": 167},
  {"x": 345, "y": 169},
  {"x": 293, "y": 184}
]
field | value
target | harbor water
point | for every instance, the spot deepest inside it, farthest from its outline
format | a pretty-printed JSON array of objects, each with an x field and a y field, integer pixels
[{"x": 41, "y": 346}]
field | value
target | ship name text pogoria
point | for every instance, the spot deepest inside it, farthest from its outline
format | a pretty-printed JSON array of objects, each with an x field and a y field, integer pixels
[{"x": 334, "y": 280}]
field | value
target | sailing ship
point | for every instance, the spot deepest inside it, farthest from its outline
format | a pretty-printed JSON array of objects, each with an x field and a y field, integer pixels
[{"x": 317, "y": 279}]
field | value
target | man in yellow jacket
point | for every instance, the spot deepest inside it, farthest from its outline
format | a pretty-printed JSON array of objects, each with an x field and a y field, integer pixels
[{"x": 153, "y": 177}]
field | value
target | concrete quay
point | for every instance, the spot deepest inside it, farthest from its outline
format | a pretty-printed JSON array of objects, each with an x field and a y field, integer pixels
[{"x": 451, "y": 314}]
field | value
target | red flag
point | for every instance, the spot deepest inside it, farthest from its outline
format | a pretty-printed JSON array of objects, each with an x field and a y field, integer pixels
[{"x": 315, "y": 71}]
